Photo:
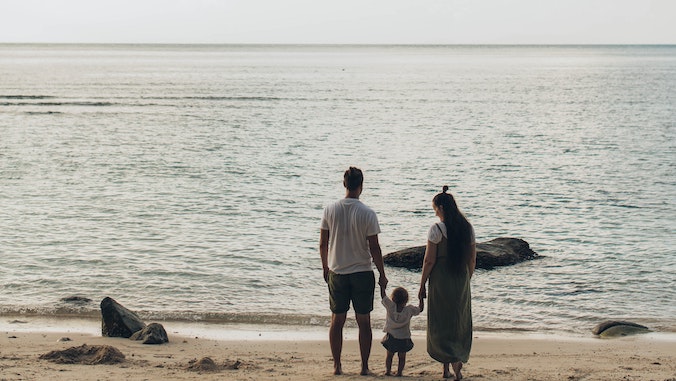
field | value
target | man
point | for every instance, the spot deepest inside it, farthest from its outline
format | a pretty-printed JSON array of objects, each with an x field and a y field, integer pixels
[{"x": 348, "y": 244}]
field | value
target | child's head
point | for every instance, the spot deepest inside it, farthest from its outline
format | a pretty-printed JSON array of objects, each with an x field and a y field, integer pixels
[{"x": 399, "y": 296}]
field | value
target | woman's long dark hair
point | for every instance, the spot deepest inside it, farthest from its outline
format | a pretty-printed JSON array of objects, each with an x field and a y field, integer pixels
[{"x": 458, "y": 229}]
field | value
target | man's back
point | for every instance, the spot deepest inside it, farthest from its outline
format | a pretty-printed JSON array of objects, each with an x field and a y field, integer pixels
[{"x": 349, "y": 223}]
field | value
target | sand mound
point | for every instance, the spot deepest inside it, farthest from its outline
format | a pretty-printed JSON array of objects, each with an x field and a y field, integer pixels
[
  {"x": 85, "y": 354},
  {"x": 206, "y": 364}
]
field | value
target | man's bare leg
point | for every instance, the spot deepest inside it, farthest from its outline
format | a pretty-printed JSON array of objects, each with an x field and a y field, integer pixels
[
  {"x": 365, "y": 339},
  {"x": 336, "y": 340}
]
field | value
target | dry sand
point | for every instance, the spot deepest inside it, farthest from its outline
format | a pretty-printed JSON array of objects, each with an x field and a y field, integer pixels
[{"x": 494, "y": 357}]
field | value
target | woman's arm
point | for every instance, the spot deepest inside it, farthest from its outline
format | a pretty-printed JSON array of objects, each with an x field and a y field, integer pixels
[
  {"x": 472, "y": 259},
  {"x": 428, "y": 264},
  {"x": 472, "y": 255}
]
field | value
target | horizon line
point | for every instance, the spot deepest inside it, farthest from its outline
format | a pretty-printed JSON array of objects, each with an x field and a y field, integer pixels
[{"x": 333, "y": 44}]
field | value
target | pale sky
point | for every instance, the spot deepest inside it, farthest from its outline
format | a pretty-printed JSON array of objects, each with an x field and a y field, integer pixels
[{"x": 340, "y": 21}]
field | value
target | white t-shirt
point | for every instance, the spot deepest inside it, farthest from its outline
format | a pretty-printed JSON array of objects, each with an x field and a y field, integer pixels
[
  {"x": 398, "y": 324},
  {"x": 349, "y": 223}
]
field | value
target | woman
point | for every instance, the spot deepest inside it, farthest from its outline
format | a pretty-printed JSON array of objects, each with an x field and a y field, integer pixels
[{"x": 450, "y": 258}]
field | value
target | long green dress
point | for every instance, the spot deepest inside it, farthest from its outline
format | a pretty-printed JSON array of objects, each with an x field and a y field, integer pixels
[{"x": 449, "y": 312}]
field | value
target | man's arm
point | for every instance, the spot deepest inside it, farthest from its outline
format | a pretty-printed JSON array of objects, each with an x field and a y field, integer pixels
[
  {"x": 324, "y": 252},
  {"x": 377, "y": 255}
]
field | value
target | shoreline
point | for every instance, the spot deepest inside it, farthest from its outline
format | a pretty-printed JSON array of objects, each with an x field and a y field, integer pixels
[
  {"x": 259, "y": 331},
  {"x": 301, "y": 353}
]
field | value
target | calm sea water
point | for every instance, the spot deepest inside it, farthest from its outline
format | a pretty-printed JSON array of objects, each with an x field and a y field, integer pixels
[{"x": 187, "y": 182}]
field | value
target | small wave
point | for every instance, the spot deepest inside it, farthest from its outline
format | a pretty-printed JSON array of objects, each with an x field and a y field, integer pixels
[
  {"x": 627, "y": 206},
  {"x": 26, "y": 96},
  {"x": 89, "y": 311},
  {"x": 96, "y": 104},
  {"x": 215, "y": 98},
  {"x": 43, "y": 112},
  {"x": 222, "y": 98},
  {"x": 87, "y": 104}
]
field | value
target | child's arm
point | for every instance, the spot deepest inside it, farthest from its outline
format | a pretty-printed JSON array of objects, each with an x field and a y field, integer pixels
[
  {"x": 421, "y": 304},
  {"x": 382, "y": 292}
]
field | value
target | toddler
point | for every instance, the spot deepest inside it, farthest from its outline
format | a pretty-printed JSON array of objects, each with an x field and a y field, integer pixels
[{"x": 398, "y": 327}]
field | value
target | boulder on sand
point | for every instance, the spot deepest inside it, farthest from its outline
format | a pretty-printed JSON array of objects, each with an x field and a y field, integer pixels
[
  {"x": 503, "y": 251},
  {"x": 117, "y": 321},
  {"x": 153, "y": 333}
]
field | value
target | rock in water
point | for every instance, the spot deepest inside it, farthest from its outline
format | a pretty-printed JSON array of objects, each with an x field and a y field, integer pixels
[
  {"x": 623, "y": 330},
  {"x": 497, "y": 252},
  {"x": 153, "y": 333},
  {"x": 117, "y": 321},
  {"x": 615, "y": 328},
  {"x": 76, "y": 300},
  {"x": 503, "y": 251},
  {"x": 410, "y": 258}
]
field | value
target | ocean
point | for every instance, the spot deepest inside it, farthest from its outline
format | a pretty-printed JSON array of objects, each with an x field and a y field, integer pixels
[{"x": 187, "y": 182}]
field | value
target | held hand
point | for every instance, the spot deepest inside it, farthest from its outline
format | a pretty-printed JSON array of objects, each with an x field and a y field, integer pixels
[
  {"x": 422, "y": 294},
  {"x": 383, "y": 281}
]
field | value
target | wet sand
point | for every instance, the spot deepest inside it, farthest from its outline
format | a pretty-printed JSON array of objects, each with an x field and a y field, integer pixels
[{"x": 280, "y": 356}]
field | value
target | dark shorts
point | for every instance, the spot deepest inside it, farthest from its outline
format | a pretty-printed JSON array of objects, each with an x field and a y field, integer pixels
[
  {"x": 394, "y": 345},
  {"x": 356, "y": 287}
]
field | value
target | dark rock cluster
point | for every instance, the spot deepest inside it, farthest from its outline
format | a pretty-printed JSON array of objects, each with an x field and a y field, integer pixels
[
  {"x": 497, "y": 252},
  {"x": 118, "y": 321}
]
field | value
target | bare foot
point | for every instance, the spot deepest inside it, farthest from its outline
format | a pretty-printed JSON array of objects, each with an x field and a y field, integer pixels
[
  {"x": 457, "y": 367},
  {"x": 337, "y": 369},
  {"x": 365, "y": 372},
  {"x": 447, "y": 372},
  {"x": 388, "y": 373}
]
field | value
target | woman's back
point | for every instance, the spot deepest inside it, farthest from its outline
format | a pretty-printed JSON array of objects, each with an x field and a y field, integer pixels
[{"x": 449, "y": 313}]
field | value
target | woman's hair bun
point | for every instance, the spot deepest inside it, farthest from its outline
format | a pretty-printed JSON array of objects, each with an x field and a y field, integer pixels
[{"x": 444, "y": 189}]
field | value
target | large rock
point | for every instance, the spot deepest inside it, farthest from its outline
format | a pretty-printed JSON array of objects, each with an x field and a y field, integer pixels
[
  {"x": 497, "y": 252},
  {"x": 117, "y": 321},
  {"x": 616, "y": 328},
  {"x": 153, "y": 333}
]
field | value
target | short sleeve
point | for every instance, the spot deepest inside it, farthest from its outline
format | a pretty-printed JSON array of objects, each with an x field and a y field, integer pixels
[
  {"x": 415, "y": 311},
  {"x": 324, "y": 225},
  {"x": 373, "y": 226},
  {"x": 434, "y": 234},
  {"x": 387, "y": 302}
]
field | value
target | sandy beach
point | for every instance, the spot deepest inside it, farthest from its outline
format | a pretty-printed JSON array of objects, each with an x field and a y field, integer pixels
[{"x": 495, "y": 356}]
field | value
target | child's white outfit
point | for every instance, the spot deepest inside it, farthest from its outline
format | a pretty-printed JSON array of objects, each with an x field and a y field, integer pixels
[{"x": 398, "y": 326}]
